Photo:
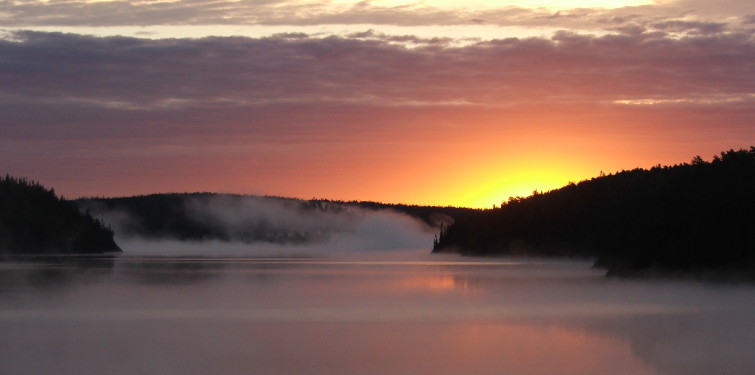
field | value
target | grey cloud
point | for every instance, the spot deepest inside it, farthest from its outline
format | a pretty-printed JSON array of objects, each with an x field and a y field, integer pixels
[
  {"x": 281, "y": 12},
  {"x": 619, "y": 19},
  {"x": 690, "y": 26},
  {"x": 272, "y": 12},
  {"x": 403, "y": 39},
  {"x": 78, "y": 13},
  {"x": 52, "y": 80},
  {"x": 630, "y": 30}
]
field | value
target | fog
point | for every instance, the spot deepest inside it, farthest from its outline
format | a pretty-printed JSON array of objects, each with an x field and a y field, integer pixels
[
  {"x": 433, "y": 315},
  {"x": 272, "y": 227}
]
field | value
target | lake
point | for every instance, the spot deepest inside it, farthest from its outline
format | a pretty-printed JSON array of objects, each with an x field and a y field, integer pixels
[{"x": 419, "y": 314}]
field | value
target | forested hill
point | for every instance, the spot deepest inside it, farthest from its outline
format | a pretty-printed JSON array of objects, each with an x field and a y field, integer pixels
[
  {"x": 35, "y": 221},
  {"x": 689, "y": 218}
]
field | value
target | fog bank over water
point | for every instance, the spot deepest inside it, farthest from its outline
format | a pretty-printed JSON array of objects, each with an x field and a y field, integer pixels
[{"x": 224, "y": 225}]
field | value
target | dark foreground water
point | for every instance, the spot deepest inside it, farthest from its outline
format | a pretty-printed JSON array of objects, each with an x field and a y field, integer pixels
[{"x": 430, "y": 315}]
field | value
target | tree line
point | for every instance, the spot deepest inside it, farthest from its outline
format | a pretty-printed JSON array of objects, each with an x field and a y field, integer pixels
[
  {"x": 689, "y": 217},
  {"x": 33, "y": 220}
]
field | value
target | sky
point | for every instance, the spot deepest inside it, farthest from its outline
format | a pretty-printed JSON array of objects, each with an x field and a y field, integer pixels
[{"x": 449, "y": 102}]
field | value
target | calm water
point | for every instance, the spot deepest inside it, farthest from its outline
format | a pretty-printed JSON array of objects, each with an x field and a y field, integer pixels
[{"x": 429, "y": 315}]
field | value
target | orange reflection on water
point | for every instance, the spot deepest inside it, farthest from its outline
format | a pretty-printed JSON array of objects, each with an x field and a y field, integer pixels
[
  {"x": 482, "y": 348},
  {"x": 433, "y": 283},
  {"x": 538, "y": 349}
]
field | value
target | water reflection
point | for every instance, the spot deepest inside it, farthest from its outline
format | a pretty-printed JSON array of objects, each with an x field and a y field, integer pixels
[
  {"x": 52, "y": 272},
  {"x": 197, "y": 315},
  {"x": 699, "y": 343}
]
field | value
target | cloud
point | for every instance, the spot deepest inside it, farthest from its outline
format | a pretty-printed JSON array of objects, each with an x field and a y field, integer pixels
[
  {"x": 291, "y": 13},
  {"x": 67, "y": 78},
  {"x": 695, "y": 27},
  {"x": 72, "y": 86},
  {"x": 293, "y": 106}
]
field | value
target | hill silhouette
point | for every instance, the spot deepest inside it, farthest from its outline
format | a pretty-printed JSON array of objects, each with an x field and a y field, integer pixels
[
  {"x": 33, "y": 220},
  {"x": 691, "y": 218}
]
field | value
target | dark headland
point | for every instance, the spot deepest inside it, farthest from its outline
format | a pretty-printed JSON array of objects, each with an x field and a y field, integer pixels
[
  {"x": 33, "y": 220},
  {"x": 694, "y": 220}
]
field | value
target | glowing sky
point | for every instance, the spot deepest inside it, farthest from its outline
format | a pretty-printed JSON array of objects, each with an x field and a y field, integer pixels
[{"x": 435, "y": 102}]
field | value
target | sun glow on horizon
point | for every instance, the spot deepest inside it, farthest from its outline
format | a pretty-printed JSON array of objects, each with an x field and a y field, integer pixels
[{"x": 499, "y": 190}]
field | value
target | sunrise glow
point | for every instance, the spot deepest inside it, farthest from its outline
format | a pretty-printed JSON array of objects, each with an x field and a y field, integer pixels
[
  {"x": 462, "y": 103},
  {"x": 519, "y": 185}
]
